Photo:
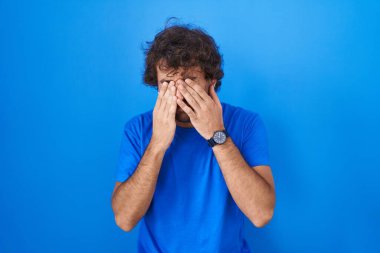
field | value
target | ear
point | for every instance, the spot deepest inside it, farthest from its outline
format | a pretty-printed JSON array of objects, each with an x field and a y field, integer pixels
[{"x": 212, "y": 82}]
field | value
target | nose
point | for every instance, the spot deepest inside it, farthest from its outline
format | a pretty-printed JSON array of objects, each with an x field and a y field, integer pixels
[{"x": 178, "y": 94}]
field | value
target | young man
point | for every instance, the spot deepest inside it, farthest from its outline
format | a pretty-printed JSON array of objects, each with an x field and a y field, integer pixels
[{"x": 193, "y": 167}]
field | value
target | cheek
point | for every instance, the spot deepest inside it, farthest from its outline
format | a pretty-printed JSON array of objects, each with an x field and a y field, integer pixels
[
  {"x": 206, "y": 88},
  {"x": 204, "y": 85}
]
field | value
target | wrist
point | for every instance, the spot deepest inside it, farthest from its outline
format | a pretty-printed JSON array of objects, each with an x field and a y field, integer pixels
[
  {"x": 219, "y": 138},
  {"x": 157, "y": 146},
  {"x": 224, "y": 146},
  {"x": 211, "y": 133}
]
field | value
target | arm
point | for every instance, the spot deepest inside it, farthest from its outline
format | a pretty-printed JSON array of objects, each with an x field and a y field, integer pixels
[
  {"x": 251, "y": 188},
  {"x": 131, "y": 199}
]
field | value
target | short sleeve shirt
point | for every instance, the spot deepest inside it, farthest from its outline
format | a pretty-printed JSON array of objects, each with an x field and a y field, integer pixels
[{"x": 192, "y": 209}]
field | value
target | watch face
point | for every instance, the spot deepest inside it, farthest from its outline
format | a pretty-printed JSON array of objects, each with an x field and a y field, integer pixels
[{"x": 219, "y": 137}]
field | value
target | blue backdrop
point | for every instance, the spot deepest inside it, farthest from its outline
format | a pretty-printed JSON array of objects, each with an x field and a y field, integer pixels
[{"x": 71, "y": 75}]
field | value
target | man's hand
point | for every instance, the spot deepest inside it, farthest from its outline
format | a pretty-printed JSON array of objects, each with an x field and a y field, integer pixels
[
  {"x": 164, "y": 124},
  {"x": 206, "y": 114},
  {"x": 131, "y": 198}
]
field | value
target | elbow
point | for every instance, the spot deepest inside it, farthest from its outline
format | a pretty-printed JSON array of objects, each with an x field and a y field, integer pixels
[
  {"x": 124, "y": 224},
  {"x": 262, "y": 220},
  {"x": 265, "y": 216},
  {"x": 121, "y": 220}
]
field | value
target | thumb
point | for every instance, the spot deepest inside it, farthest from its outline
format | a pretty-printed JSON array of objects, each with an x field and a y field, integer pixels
[{"x": 213, "y": 93}]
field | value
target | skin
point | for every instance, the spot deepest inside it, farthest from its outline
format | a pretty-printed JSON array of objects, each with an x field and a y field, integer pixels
[{"x": 187, "y": 99}]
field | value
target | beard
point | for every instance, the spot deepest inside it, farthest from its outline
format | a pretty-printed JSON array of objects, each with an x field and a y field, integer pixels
[{"x": 181, "y": 116}]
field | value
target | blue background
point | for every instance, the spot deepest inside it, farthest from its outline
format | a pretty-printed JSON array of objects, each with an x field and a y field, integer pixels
[{"x": 71, "y": 75}]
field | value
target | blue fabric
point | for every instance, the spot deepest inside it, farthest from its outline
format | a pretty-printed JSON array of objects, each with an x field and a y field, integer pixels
[{"x": 192, "y": 209}]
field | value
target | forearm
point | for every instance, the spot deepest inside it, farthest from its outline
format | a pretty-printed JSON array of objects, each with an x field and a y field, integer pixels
[
  {"x": 254, "y": 196},
  {"x": 132, "y": 198}
]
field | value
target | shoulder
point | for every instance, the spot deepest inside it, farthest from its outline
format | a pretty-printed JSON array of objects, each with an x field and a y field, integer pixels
[
  {"x": 242, "y": 123},
  {"x": 139, "y": 121},
  {"x": 239, "y": 114}
]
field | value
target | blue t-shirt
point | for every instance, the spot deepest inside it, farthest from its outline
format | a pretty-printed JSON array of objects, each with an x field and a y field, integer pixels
[{"x": 192, "y": 209}]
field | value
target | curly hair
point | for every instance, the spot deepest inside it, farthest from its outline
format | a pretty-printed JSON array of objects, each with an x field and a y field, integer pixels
[{"x": 182, "y": 46}]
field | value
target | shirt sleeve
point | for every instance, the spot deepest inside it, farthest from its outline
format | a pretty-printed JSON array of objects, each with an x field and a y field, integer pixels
[
  {"x": 255, "y": 141},
  {"x": 130, "y": 150}
]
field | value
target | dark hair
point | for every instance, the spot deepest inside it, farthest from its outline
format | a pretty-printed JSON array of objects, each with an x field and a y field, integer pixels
[{"x": 183, "y": 46}]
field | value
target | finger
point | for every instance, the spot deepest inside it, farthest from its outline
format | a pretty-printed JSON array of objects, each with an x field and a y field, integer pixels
[
  {"x": 171, "y": 100},
  {"x": 186, "y": 109},
  {"x": 166, "y": 96},
  {"x": 173, "y": 89},
  {"x": 193, "y": 92},
  {"x": 178, "y": 94},
  {"x": 161, "y": 93},
  {"x": 214, "y": 96},
  {"x": 193, "y": 100},
  {"x": 173, "y": 107},
  {"x": 201, "y": 92}
]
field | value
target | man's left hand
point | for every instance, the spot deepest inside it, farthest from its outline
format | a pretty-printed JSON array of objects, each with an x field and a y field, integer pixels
[{"x": 206, "y": 114}]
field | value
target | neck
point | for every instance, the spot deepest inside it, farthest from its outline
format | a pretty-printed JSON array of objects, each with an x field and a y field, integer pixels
[{"x": 184, "y": 124}]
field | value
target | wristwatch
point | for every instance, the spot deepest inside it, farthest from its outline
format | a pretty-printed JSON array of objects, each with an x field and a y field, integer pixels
[{"x": 219, "y": 137}]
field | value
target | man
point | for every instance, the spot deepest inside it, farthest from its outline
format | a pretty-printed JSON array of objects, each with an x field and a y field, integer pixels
[{"x": 193, "y": 167}]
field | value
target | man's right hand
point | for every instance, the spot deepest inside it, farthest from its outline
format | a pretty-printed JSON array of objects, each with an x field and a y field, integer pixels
[
  {"x": 164, "y": 111},
  {"x": 131, "y": 199}
]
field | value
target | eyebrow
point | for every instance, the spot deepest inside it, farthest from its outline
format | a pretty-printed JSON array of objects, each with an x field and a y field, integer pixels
[
  {"x": 189, "y": 76},
  {"x": 184, "y": 77},
  {"x": 163, "y": 80}
]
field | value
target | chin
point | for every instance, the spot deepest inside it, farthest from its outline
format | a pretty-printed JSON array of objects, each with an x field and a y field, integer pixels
[{"x": 182, "y": 116}]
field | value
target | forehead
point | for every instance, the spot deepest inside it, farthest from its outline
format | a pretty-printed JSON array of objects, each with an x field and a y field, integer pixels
[{"x": 163, "y": 71}]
